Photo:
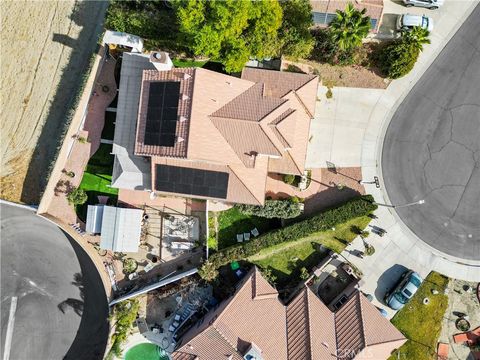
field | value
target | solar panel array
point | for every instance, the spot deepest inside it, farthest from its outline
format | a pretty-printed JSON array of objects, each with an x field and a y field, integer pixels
[
  {"x": 162, "y": 113},
  {"x": 181, "y": 180}
]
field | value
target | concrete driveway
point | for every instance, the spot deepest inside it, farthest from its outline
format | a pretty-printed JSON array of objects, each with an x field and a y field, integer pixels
[
  {"x": 336, "y": 134},
  {"x": 53, "y": 301},
  {"x": 445, "y": 14}
]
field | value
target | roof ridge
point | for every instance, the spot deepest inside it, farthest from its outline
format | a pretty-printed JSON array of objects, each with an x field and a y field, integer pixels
[{"x": 302, "y": 103}]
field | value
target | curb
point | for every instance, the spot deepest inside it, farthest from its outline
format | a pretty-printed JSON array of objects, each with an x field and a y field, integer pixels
[{"x": 26, "y": 207}]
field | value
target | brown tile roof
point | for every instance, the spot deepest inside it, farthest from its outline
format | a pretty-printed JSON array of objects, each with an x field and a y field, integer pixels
[
  {"x": 238, "y": 123},
  {"x": 250, "y": 105},
  {"x": 304, "y": 329},
  {"x": 349, "y": 329},
  {"x": 277, "y": 84},
  {"x": 186, "y": 77},
  {"x": 374, "y": 7}
]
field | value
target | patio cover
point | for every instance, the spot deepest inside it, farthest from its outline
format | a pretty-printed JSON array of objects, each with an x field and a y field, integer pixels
[
  {"x": 124, "y": 39},
  {"x": 121, "y": 229},
  {"x": 94, "y": 219}
]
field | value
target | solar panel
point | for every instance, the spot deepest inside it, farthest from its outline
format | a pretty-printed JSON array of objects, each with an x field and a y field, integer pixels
[
  {"x": 189, "y": 181},
  {"x": 162, "y": 113}
]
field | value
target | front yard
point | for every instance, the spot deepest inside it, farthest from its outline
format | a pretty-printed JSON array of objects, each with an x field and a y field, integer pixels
[
  {"x": 421, "y": 324},
  {"x": 231, "y": 222},
  {"x": 287, "y": 259}
]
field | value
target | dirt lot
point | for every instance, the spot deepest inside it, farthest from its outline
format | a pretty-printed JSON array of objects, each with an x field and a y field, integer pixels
[{"x": 47, "y": 48}]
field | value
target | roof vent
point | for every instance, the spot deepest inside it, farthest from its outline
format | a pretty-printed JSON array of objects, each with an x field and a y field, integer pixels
[
  {"x": 180, "y": 139},
  {"x": 161, "y": 60},
  {"x": 185, "y": 97},
  {"x": 183, "y": 118}
]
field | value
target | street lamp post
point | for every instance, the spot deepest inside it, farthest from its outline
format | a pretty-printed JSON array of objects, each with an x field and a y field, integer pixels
[{"x": 419, "y": 202}]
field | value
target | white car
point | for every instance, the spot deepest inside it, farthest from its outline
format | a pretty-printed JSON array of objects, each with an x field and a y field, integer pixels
[
  {"x": 409, "y": 21},
  {"x": 429, "y": 4}
]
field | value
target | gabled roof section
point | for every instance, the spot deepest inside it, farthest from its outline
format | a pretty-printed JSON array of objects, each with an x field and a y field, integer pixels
[
  {"x": 376, "y": 329},
  {"x": 261, "y": 289},
  {"x": 298, "y": 328},
  {"x": 284, "y": 128},
  {"x": 246, "y": 138},
  {"x": 349, "y": 329},
  {"x": 277, "y": 83},
  {"x": 251, "y": 105}
]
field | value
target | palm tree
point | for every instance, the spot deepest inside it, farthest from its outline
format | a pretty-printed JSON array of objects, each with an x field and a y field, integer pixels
[
  {"x": 416, "y": 37},
  {"x": 349, "y": 28}
]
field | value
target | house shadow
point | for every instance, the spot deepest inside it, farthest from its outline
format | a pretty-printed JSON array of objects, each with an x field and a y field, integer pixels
[
  {"x": 388, "y": 280},
  {"x": 64, "y": 100},
  {"x": 329, "y": 198},
  {"x": 92, "y": 334}
]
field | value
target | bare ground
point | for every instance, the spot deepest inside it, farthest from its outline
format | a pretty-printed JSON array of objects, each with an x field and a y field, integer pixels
[{"x": 47, "y": 48}]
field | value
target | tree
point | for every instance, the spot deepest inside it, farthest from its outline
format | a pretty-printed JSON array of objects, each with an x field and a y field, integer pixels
[
  {"x": 349, "y": 28},
  {"x": 123, "y": 316},
  {"x": 295, "y": 37},
  {"x": 268, "y": 274},
  {"x": 398, "y": 59},
  {"x": 208, "y": 271},
  {"x": 304, "y": 275},
  {"x": 229, "y": 31},
  {"x": 77, "y": 196},
  {"x": 283, "y": 209},
  {"x": 416, "y": 37}
]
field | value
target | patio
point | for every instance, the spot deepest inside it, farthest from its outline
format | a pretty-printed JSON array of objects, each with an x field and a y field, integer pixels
[
  {"x": 334, "y": 283},
  {"x": 172, "y": 311},
  {"x": 462, "y": 300}
]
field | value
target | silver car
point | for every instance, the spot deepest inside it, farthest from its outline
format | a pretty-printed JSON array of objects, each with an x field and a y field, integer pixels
[
  {"x": 429, "y": 4},
  {"x": 409, "y": 21}
]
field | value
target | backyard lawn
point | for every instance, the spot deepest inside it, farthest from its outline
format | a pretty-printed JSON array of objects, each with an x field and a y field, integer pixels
[
  {"x": 286, "y": 259},
  {"x": 420, "y": 323},
  {"x": 232, "y": 222},
  {"x": 97, "y": 179}
]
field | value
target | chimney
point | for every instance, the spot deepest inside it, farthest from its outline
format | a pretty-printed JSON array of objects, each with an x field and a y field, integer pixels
[{"x": 161, "y": 60}]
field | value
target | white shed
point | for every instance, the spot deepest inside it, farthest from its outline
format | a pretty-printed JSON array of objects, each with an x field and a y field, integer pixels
[
  {"x": 121, "y": 229},
  {"x": 120, "y": 38}
]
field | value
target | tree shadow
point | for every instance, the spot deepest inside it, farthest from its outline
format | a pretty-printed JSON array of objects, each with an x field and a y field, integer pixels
[
  {"x": 92, "y": 335},
  {"x": 62, "y": 187},
  {"x": 64, "y": 100}
]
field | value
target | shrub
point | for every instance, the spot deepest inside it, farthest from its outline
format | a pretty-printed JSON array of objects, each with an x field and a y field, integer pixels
[
  {"x": 283, "y": 209},
  {"x": 356, "y": 207},
  {"x": 329, "y": 93},
  {"x": 77, "y": 196},
  {"x": 369, "y": 249},
  {"x": 289, "y": 179},
  {"x": 398, "y": 59},
  {"x": 124, "y": 314},
  {"x": 324, "y": 49},
  {"x": 208, "y": 271},
  {"x": 304, "y": 275}
]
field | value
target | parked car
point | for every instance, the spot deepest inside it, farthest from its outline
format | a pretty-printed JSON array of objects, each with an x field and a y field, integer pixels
[
  {"x": 409, "y": 21},
  {"x": 404, "y": 290},
  {"x": 429, "y": 4}
]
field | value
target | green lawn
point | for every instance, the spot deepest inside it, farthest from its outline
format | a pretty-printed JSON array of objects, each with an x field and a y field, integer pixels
[
  {"x": 97, "y": 179},
  {"x": 184, "y": 63},
  {"x": 420, "y": 323},
  {"x": 279, "y": 257},
  {"x": 232, "y": 222}
]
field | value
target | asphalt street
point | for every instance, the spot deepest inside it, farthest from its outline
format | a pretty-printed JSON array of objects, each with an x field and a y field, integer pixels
[
  {"x": 431, "y": 150},
  {"x": 53, "y": 305}
]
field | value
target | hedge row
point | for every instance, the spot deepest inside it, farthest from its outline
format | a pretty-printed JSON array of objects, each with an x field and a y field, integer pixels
[{"x": 354, "y": 208}]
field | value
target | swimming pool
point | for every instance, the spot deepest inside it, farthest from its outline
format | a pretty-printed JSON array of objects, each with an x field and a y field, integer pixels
[{"x": 146, "y": 351}]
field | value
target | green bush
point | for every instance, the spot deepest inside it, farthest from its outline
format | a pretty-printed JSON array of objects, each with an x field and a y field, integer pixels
[
  {"x": 398, "y": 59},
  {"x": 289, "y": 179},
  {"x": 123, "y": 316},
  {"x": 356, "y": 207},
  {"x": 77, "y": 196},
  {"x": 283, "y": 209}
]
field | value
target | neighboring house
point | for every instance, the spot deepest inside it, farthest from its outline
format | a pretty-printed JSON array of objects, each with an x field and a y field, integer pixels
[
  {"x": 324, "y": 11},
  {"x": 254, "y": 324},
  {"x": 196, "y": 133}
]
